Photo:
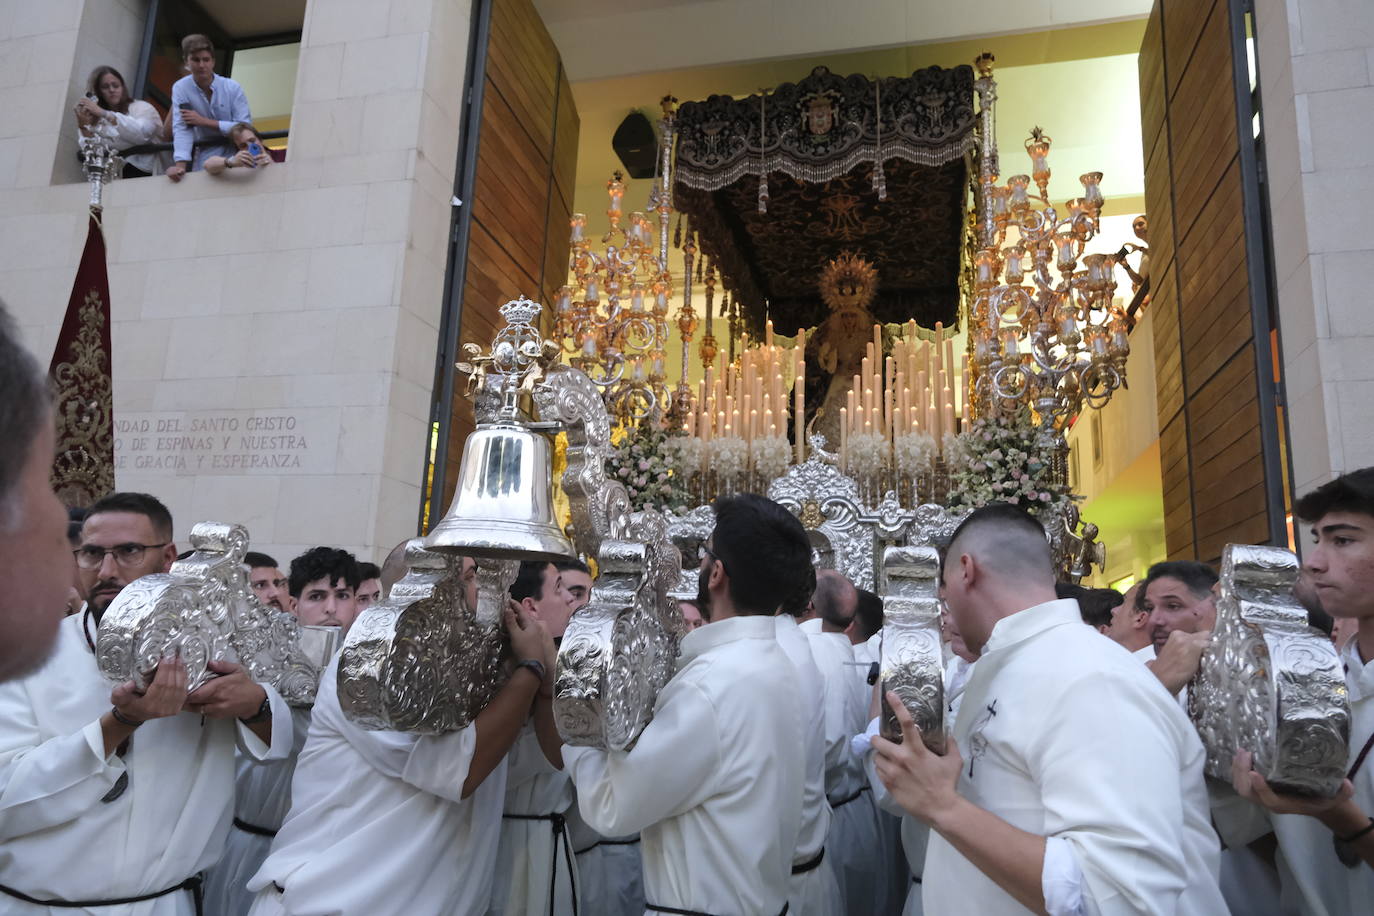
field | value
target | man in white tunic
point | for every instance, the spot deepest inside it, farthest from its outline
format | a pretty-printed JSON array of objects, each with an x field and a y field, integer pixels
[
  {"x": 536, "y": 871},
  {"x": 321, "y": 591},
  {"x": 386, "y": 823},
  {"x": 1072, "y": 783},
  {"x": 812, "y": 888},
  {"x": 715, "y": 782},
  {"x": 1326, "y": 846},
  {"x": 853, "y": 839},
  {"x": 116, "y": 801},
  {"x": 35, "y": 562}
]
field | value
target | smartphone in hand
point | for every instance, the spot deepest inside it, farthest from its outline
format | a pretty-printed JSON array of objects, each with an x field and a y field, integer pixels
[{"x": 254, "y": 150}]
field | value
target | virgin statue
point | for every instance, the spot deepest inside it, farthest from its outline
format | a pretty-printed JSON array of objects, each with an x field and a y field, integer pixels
[{"x": 837, "y": 348}]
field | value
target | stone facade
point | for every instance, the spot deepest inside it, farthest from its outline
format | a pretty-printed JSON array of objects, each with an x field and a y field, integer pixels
[
  {"x": 1316, "y": 68},
  {"x": 274, "y": 334}
]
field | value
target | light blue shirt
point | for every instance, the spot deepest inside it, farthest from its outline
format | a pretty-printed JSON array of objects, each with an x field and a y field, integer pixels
[{"x": 227, "y": 105}]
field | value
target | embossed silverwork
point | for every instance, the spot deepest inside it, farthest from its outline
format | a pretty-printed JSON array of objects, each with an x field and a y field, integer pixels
[
  {"x": 423, "y": 661},
  {"x": 204, "y": 609},
  {"x": 912, "y": 659},
  {"x": 1270, "y": 683}
]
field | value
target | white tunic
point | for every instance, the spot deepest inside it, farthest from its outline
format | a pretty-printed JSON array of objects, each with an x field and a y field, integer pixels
[
  {"x": 1064, "y": 734},
  {"x": 1313, "y": 880},
  {"x": 853, "y": 842},
  {"x": 610, "y": 876},
  {"x": 715, "y": 781},
  {"x": 60, "y": 841},
  {"x": 814, "y": 891},
  {"x": 262, "y": 796},
  {"x": 378, "y": 824},
  {"x": 532, "y": 853}
]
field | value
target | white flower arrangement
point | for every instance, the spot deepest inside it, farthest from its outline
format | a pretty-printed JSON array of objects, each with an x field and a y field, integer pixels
[
  {"x": 649, "y": 468},
  {"x": 867, "y": 453},
  {"x": 772, "y": 455},
  {"x": 683, "y": 453},
  {"x": 729, "y": 455},
  {"x": 1005, "y": 460},
  {"x": 915, "y": 453}
]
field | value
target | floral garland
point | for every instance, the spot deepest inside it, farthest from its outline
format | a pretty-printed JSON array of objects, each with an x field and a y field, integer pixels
[
  {"x": 649, "y": 467},
  {"x": 1006, "y": 460}
]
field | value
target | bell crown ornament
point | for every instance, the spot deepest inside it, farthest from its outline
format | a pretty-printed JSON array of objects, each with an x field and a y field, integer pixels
[{"x": 503, "y": 507}]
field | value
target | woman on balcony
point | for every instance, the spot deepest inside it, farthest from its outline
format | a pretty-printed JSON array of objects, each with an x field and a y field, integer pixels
[{"x": 109, "y": 111}]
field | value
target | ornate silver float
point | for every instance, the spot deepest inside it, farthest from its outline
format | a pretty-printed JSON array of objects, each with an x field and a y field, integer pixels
[
  {"x": 204, "y": 610},
  {"x": 426, "y": 663},
  {"x": 1269, "y": 682},
  {"x": 913, "y": 660}
]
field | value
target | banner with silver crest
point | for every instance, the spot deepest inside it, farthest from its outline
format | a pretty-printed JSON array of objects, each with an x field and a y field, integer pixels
[
  {"x": 204, "y": 610},
  {"x": 1270, "y": 683}
]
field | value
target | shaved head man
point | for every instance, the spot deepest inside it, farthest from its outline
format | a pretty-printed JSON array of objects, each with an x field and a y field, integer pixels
[{"x": 1069, "y": 780}]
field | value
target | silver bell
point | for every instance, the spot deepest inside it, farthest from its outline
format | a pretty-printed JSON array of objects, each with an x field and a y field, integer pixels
[{"x": 504, "y": 505}]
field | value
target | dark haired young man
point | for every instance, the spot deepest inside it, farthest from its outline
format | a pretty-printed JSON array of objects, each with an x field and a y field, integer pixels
[
  {"x": 1180, "y": 598},
  {"x": 536, "y": 872},
  {"x": 323, "y": 583},
  {"x": 324, "y": 586},
  {"x": 369, "y": 586},
  {"x": 267, "y": 582},
  {"x": 577, "y": 579},
  {"x": 715, "y": 781},
  {"x": 206, "y": 106},
  {"x": 1071, "y": 782},
  {"x": 151, "y": 772},
  {"x": 1328, "y": 844}
]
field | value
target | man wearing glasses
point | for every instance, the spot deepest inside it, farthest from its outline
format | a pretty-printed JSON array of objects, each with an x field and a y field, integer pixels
[{"x": 151, "y": 771}]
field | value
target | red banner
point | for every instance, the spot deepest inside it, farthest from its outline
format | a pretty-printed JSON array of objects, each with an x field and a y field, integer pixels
[{"x": 83, "y": 470}]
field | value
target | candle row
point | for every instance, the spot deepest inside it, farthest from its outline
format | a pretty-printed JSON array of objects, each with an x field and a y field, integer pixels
[
  {"x": 750, "y": 400},
  {"x": 910, "y": 391}
]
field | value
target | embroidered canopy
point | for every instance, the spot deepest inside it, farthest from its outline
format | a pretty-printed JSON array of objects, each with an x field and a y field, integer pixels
[{"x": 815, "y": 143}]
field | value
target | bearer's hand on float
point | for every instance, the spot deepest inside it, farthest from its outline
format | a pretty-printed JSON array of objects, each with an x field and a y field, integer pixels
[
  {"x": 1251, "y": 785},
  {"x": 232, "y": 695},
  {"x": 528, "y": 637},
  {"x": 1177, "y": 663},
  {"x": 922, "y": 782},
  {"x": 164, "y": 697}
]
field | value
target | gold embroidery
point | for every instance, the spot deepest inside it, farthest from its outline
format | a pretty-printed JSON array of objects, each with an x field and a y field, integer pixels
[{"x": 83, "y": 470}]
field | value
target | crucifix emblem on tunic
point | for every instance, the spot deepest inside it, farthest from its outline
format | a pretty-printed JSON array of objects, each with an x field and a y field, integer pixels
[{"x": 977, "y": 744}]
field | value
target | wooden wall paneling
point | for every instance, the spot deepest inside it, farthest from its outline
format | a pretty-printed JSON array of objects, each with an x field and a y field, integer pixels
[
  {"x": 1150, "y": 67},
  {"x": 517, "y": 220},
  {"x": 1168, "y": 352},
  {"x": 1207, "y": 381},
  {"x": 1183, "y": 22}
]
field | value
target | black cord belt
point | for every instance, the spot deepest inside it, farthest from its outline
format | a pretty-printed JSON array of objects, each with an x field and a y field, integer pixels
[
  {"x": 192, "y": 884},
  {"x": 606, "y": 842},
  {"x": 810, "y": 864},
  {"x": 253, "y": 828},
  {"x": 677, "y": 912},
  {"x": 560, "y": 838},
  {"x": 845, "y": 801}
]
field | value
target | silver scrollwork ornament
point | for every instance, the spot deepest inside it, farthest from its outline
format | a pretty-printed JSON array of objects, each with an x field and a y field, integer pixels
[
  {"x": 620, "y": 649},
  {"x": 1269, "y": 682},
  {"x": 912, "y": 658},
  {"x": 423, "y": 661},
  {"x": 204, "y": 611}
]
